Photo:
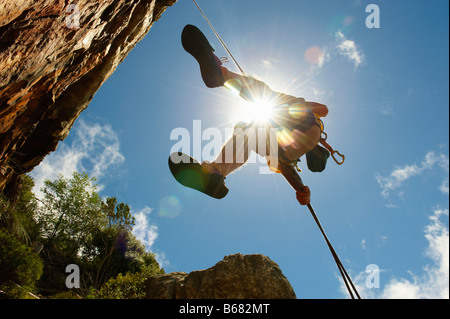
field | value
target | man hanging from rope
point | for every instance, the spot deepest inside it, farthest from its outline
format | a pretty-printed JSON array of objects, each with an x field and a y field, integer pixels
[{"x": 297, "y": 120}]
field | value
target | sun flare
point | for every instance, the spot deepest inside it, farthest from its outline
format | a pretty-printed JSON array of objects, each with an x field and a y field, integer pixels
[{"x": 258, "y": 111}]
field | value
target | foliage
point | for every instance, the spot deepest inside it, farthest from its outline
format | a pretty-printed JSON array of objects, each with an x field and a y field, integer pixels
[
  {"x": 17, "y": 262},
  {"x": 17, "y": 218},
  {"x": 130, "y": 286},
  {"x": 65, "y": 295},
  {"x": 75, "y": 226},
  {"x": 71, "y": 212},
  {"x": 11, "y": 290}
]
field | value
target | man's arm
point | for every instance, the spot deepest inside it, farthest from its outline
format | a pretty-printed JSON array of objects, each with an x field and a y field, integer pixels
[{"x": 317, "y": 108}]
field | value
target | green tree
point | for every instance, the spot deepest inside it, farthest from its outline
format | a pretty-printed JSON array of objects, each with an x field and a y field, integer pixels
[
  {"x": 78, "y": 227},
  {"x": 70, "y": 212},
  {"x": 18, "y": 218},
  {"x": 110, "y": 237},
  {"x": 18, "y": 263}
]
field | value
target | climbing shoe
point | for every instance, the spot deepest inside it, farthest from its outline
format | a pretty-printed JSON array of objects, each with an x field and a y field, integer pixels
[
  {"x": 189, "y": 172},
  {"x": 195, "y": 43}
]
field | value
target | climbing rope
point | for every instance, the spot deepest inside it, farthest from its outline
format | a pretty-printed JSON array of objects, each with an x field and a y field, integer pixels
[
  {"x": 292, "y": 176},
  {"x": 220, "y": 39},
  {"x": 290, "y": 172},
  {"x": 347, "y": 280}
]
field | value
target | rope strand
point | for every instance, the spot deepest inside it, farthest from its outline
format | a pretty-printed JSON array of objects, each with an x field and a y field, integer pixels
[
  {"x": 344, "y": 274},
  {"x": 220, "y": 39},
  {"x": 294, "y": 179}
]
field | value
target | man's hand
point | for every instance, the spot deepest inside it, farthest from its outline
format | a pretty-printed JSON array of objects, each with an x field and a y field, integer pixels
[
  {"x": 304, "y": 195},
  {"x": 317, "y": 108}
]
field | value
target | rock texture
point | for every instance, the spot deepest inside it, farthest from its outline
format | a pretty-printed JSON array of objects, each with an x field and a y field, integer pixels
[
  {"x": 235, "y": 277},
  {"x": 54, "y": 56}
]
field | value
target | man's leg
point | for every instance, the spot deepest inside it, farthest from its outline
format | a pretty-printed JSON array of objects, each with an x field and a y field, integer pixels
[
  {"x": 235, "y": 152},
  {"x": 247, "y": 87}
]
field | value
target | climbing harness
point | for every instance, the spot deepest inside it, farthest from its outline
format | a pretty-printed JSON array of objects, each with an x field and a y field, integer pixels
[{"x": 290, "y": 171}]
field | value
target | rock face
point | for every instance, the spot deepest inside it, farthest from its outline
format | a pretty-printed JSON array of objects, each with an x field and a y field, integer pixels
[
  {"x": 235, "y": 277},
  {"x": 54, "y": 56}
]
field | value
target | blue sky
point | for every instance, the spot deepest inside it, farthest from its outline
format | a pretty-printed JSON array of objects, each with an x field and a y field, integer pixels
[{"x": 387, "y": 93}]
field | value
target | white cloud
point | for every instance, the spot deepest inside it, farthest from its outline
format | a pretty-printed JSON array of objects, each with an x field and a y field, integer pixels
[
  {"x": 316, "y": 56},
  {"x": 143, "y": 231},
  {"x": 147, "y": 233},
  {"x": 349, "y": 49},
  {"x": 431, "y": 159},
  {"x": 95, "y": 150},
  {"x": 387, "y": 108},
  {"x": 382, "y": 239},
  {"x": 396, "y": 178},
  {"x": 318, "y": 92},
  {"x": 401, "y": 174},
  {"x": 433, "y": 283},
  {"x": 161, "y": 258},
  {"x": 267, "y": 64},
  {"x": 444, "y": 186},
  {"x": 323, "y": 58}
]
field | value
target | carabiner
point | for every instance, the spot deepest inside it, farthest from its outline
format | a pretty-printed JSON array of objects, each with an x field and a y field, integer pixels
[
  {"x": 342, "y": 156},
  {"x": 332, "y": 151}
]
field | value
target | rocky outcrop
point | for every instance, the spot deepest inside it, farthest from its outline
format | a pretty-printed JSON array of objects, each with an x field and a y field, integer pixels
[
  {"x": 54, "y": 56},
  {"x": 235, "y": 277}
]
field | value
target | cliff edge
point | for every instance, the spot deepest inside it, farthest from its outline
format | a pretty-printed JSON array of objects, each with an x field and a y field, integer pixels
[
  {"x": 235, "y": 277},
  {"x": 54, "y": 56}
]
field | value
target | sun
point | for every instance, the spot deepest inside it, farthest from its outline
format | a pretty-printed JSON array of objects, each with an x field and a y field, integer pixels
[{"x": 260, "y": 111}]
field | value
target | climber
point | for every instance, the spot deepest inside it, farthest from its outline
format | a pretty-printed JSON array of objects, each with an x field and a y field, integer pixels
[{"x": 297, "y": 120}]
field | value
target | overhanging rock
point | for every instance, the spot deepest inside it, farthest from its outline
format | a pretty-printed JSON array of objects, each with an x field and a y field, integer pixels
[{"x": 54, "y": 56}]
